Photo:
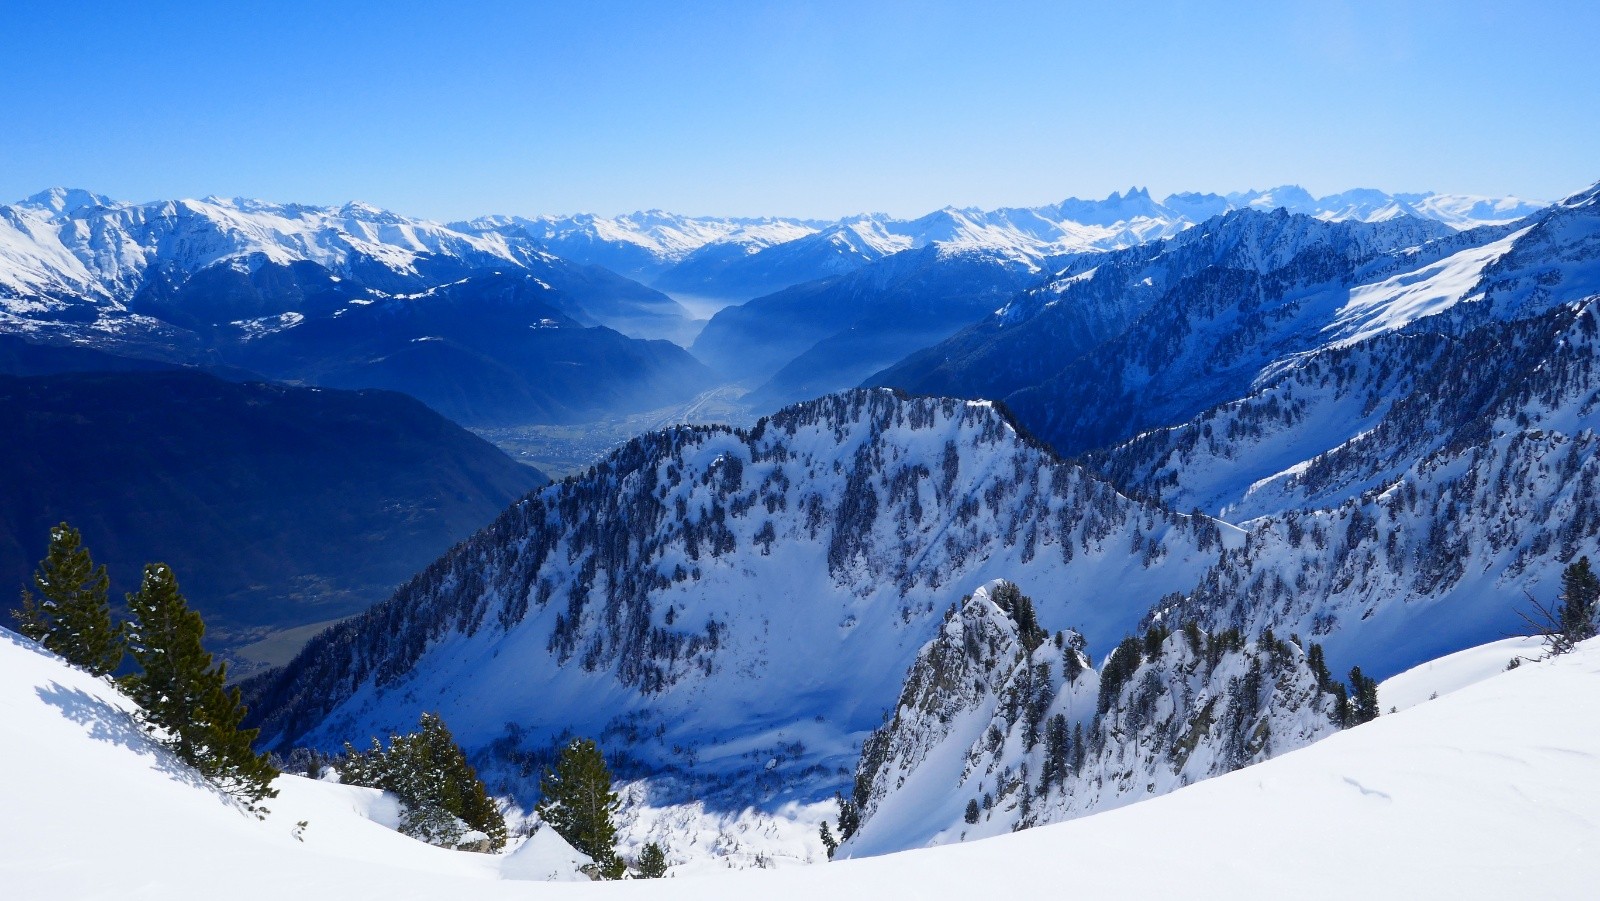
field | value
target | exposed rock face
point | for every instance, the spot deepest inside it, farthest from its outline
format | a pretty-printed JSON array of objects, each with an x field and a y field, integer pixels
[{"x": 1001, "y": 726}]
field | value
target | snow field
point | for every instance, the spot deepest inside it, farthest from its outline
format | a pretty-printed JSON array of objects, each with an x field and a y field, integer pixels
[{"x": 1488, "y": 791}]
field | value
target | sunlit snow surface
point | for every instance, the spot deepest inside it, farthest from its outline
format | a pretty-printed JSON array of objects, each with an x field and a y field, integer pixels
[
  {"x": 1405, "y": 298},
  {"x": 1487, "y": 791}
]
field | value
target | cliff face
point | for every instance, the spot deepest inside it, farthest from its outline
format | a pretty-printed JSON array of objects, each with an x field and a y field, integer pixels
[{"x": 1002, "y": 725}]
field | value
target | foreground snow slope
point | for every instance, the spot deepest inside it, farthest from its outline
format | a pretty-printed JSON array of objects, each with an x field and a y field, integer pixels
[{"x": 1485, "y": 792}]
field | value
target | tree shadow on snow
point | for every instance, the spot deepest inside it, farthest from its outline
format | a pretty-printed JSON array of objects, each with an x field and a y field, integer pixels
[{"x": 104, "y": 722}]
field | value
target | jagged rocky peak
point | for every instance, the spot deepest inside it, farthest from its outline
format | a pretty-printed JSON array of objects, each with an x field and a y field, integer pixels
[{"x": 1002, "y": 725}]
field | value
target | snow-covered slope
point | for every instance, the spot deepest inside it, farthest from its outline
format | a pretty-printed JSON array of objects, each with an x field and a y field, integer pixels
[
  {"x": 1453, "y": 672},
  {"x": 1419, "y": 536},
  {"x": 1485, "y": 792},
  {"x": 1404, "y": 489},
  {"x": 1000, "y": 727},
  {"x": 735, "y": 609},
  {"x": 95, "y": 808}
]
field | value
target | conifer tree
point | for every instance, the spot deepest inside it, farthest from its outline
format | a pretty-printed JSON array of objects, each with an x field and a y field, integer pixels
[
  {"x": 1363, "y": 697},
  {"x": 1580, "y": 601},
  {"x": 1056, "y": 754},
  {"x": 849, "y": 817},
  {"x": 1116, "y": 670},
  {"x": 1572, "y": 619},
  {"x": 828, "y": 841},
  {"x": 1341, "y": 706},
  {"x": 439, "y": 790},
  {"x": 184, "y": 696},
  {"x": 71, "y": 615},
  {"x": 1009, "y": 598},
  {"x": 652, "y": 861},
  {"x": 578, "y": 803}
]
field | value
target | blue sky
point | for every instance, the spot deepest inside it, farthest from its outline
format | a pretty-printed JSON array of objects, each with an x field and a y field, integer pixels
[{"x": 817, "y": 109}]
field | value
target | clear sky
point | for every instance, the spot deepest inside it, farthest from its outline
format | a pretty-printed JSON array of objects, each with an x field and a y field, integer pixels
[{"x": 452, "y": 109}]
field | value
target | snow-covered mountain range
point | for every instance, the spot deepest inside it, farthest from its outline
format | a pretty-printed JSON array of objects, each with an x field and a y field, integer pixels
[
  {"x": 742, "y": 258},
  {"x": 1403, "y": 426},
  {"x": 643, "y": 245},
  {"x": 1382, "y": 431},
  {"x": 485, "y": 329},
  {"x": 237, "y": 282},
  {"x": 1364, "y": 421},
  {"x": 905, "y": 287},
  {"x": 1115, "y": 344}
]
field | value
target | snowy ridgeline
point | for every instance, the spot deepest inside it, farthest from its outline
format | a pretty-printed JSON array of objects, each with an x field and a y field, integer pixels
[
  {"x": 684, "y": 252},
  {"x": 1002, "y": 726},
  {"x": 1114, "y": 345},
  {"x": 1403, "y": 493},
  {"x": 1479, "y": 781},
  {"x": 731, "y": 611},
  {"x": 62, "y": 245}
]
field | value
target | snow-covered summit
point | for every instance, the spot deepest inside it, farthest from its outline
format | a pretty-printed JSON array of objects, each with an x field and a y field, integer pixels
[{"x": 64, "y": 201}]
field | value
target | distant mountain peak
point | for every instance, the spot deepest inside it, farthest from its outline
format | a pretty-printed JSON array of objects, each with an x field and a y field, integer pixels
[
  {"x": 65, "y": 201},
  {"x": 1589, "y": 196}
]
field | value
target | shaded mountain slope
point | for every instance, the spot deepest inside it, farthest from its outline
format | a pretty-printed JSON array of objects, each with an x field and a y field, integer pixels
[{"x": 276, "y": 506}]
